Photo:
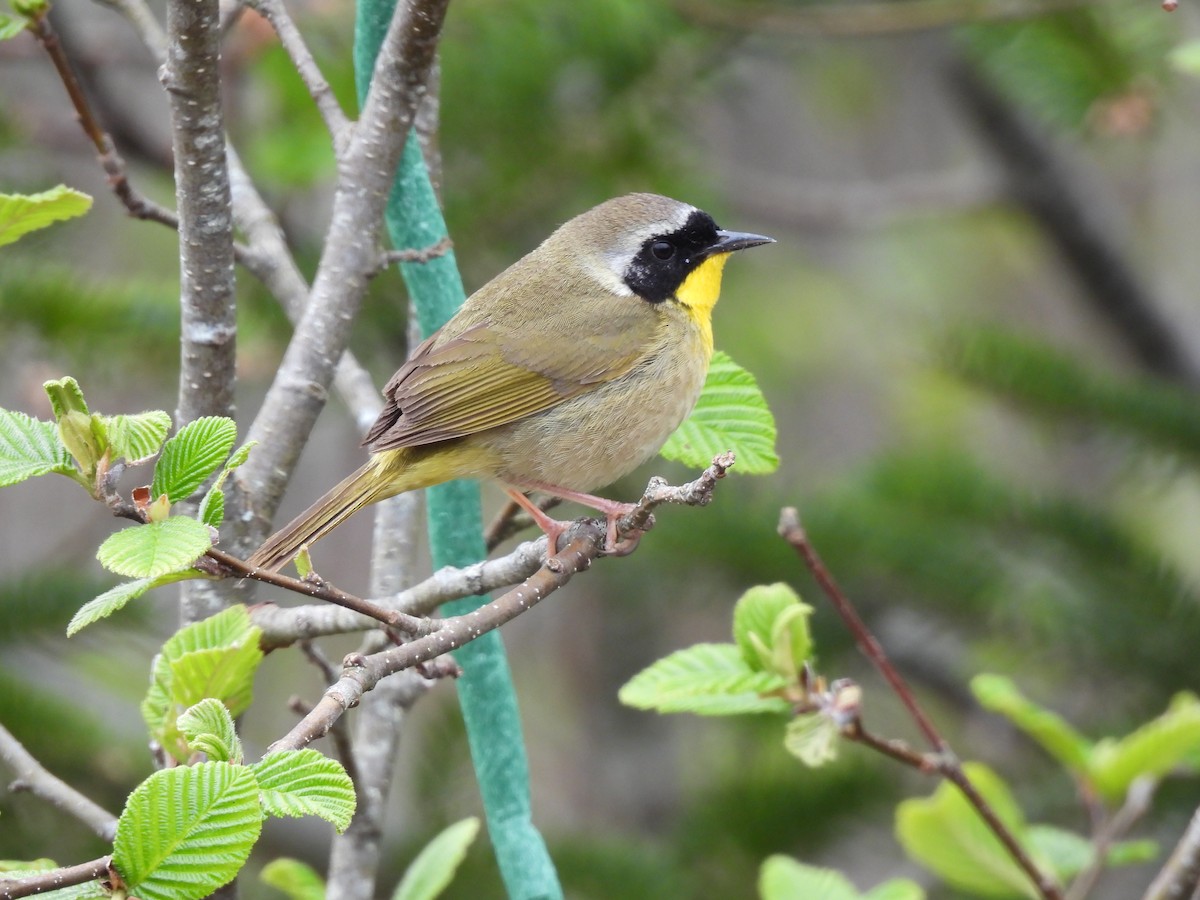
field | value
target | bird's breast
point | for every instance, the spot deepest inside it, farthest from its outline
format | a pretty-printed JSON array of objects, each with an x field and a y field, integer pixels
[{"x": 595, "y": 438}]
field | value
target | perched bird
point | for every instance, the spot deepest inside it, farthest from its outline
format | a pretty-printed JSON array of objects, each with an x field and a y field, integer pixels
[{"x": 561, "y": 374}]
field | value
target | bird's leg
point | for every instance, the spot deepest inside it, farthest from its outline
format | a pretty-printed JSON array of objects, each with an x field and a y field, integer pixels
[
  {"x": 613, "y": 511},
  {"x": 553, "y": 527}
]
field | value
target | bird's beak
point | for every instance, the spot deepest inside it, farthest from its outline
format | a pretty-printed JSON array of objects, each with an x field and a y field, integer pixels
[{"x": 729, "y": 241}]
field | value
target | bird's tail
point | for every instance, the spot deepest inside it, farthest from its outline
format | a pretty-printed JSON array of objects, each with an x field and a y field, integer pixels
[{"x": 362, "y": 488}]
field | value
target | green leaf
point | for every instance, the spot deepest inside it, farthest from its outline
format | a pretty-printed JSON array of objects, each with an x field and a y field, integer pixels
[
  {"x": 212, "y": 508},
  {"x": 187, "y": 831},
  {"x": 240, "y": 455},
  {"x": 156, "y": 548},
  {"x": 138, "y": 437},
  {"x": 812, "y": 738},
  {"x": 306, "y": 783},
  {"x": 1055, "y": 734},
  {"x": 706, "y": 679},
  {"x": 731, "y": 414},
  {"x": 1153, "y": 750},
  {"x": 296, "y": 879},
  {"x": 192, "y": 455},
  {"x": 783, "y": 878},
  {"x": 1067, "y": 853},
  {"x": 22, "y": 213},
  {"x": 896, "y": 889},
  {"x": 10, "y": 27},
  {"x": 208, "y": 728},
  {"x": 765, "y": 620},
  {"x": 433, "y": 869},
  {"x": 84, "y": 437},
  {"x": 66, "y": 396},
  {"x": 217, "y": 658},
  {"x": 945, "y": 834},
  {"x": 1132, "y": 853},
  {"x": 113, "y": 599},
  {"x": 29, "y": 447},
  {"x": 1186, "y": 58}
]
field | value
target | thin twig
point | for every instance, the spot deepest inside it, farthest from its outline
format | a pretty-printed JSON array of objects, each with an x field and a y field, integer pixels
[
  {"x": 368, "y": 165},
  {"x": 112, "y": 163},
  {"x": 389, "y": 258},
  {"x": 53, "y": 879},
  {"x": 949, "y": 766},
  {"x": 282, "y": 626},
  {"x": 306, "y": 67},
  {"x": 1114, "y": 827},
  {"x": 585, "y": 542},
  {"x": 324, "y": 591},
  {"x": 33, "y": 777},
  {"x": 363, "y": 673},
  {"x": 1180, "y": 877}
]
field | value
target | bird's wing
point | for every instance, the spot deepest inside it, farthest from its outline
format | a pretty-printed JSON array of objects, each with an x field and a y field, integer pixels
[{"x": 493, "y": 373}]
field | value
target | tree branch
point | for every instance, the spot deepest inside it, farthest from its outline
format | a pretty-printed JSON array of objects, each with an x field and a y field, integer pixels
[
  {"x": 1180, "y": 877},
  {"x": 792, "y": 532},
  {"x": 365, "y": 171},
  {"x": 1053, "y": 193},
  {"x": 586, "y": 539},
  {"x": 306, "y": 67},
  {"x": 33, "y": 777},
  {"x": 53, "y": 879}
]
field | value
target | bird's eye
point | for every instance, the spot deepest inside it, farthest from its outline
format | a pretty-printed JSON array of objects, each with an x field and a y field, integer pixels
[{"x": 662, "y": 250}]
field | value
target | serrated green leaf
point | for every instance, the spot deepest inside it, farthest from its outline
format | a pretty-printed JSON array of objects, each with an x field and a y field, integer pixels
[
  {"x": 208, "y": 728},
  {"x": 138, "y": 437},
  {"x": 113, "y": 599},
  {"x": 812, "y": 738},
  {"x": 1055, "y": 734},
  {"x": 187, "y": 831},
  {"x": 29, "y": 447},
  {"x": 783, "y": 878},
  {"x": 240, "y": 455},
  {"x": 755, "y": 616},
  {"x": 705, "y": 679},
  {"x": 945, "y": 834},
  {"x": 23, "y": 213},
  {"x": 190, "y": 457},
  {"x": 156, "y": 548},
  {"x": 217, "y": 658},
  {"x": 1153, "y": 750},
  {"x": 212, "y": 508},
  {"x": 65, "y": 396},
  {"x": 84, "y": 437},
  {"x": 306, "y": 783},
  {"x": 10, "y": 27},
  {"x": 731, "y": 414},
  {"x": 433, "y": 869},
  {"x": 298, "y": 880}
]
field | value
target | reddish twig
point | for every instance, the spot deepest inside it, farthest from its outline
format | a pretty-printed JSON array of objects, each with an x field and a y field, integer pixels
[{"x": 945, "y": 761}]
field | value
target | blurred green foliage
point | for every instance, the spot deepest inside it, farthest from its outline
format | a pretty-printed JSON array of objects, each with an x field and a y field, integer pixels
[{"x": 1022, "y": 559}]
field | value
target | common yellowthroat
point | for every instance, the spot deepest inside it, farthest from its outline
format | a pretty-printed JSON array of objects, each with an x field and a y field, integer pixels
[{"x": 562, "y": 374}]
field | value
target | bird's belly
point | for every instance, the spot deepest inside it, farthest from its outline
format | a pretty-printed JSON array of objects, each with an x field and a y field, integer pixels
[{"x": 593, "y": 439}]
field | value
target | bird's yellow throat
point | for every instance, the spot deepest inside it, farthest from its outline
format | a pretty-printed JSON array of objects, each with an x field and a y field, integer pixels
[{"x": 699, "y": 293}]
